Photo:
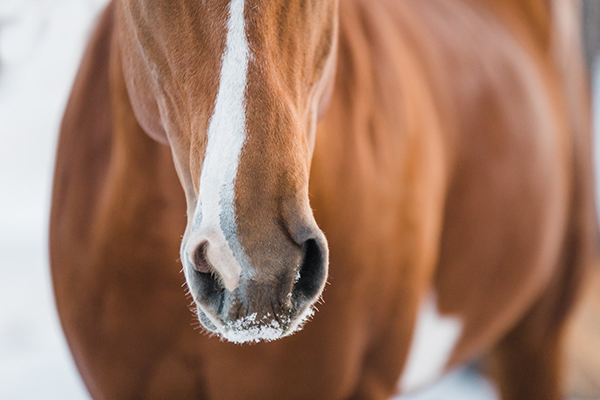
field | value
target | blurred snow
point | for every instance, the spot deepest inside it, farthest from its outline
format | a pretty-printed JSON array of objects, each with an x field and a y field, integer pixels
[
  {"x": 41, "y": 42},
  {"x": 40, "y": 46}
]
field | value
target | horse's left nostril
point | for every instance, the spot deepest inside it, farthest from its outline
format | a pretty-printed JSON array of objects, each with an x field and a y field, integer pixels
[
  {"x": 200, "y": 262},
  {"x": 313, "y": 270}
]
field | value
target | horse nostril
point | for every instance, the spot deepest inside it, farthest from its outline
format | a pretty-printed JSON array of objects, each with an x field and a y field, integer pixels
[
  {"x": 312, "y": 271},
  {"x": 205, "y": 282},
  {"x": 200, "y": 262}
]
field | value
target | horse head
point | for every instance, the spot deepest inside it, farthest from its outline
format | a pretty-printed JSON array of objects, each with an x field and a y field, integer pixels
[{"x": 235, "y": 88}]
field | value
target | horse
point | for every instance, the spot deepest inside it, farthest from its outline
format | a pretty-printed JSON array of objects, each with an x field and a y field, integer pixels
[{"x": 418, "y": 171}]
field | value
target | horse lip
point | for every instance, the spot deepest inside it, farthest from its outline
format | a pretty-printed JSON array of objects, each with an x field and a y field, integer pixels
[
  {"x": 250, "y": 329},
  {"x": 205, "y": 320}
]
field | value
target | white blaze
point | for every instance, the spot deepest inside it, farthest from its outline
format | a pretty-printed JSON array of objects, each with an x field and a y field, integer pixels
[
  {"x": 434, "y": 338},
  {"x": 226, "y": 136}
]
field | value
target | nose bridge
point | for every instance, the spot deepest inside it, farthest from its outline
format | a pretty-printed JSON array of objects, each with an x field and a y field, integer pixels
[
  {"x": 271, "y": 191},
  {"x": 252, "y": 222},
  {"x": 255, "y": 225},
  {"x": 261, "y": 223},
  {"x": 213, "y": 222}
]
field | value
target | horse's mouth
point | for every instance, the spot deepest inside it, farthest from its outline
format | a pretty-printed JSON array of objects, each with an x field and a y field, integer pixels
[{"x": 252, "y": 328}]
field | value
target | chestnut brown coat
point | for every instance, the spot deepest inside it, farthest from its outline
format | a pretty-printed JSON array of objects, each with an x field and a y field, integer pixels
[{"x": 451, "y": 160}]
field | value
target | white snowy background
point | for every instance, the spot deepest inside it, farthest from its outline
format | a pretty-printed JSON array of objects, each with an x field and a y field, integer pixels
[{"x": 41, "y": 42}]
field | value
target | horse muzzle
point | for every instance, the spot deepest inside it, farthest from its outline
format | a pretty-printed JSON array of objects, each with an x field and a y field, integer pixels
[{"x": 264, "y": 302}]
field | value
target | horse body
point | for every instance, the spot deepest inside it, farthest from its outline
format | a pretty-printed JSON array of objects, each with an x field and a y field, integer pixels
[{"x": 449, "y": 174}]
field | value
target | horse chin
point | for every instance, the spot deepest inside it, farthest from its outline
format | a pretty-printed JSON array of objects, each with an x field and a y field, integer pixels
[{"x": 251, "y": 329}]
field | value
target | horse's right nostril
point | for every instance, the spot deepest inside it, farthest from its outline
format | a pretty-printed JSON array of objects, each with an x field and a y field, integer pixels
[
  {"x": 313, "y": 270},
  {"x": 205, "y": 282},
  {"x": 200, "y": 262}
]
